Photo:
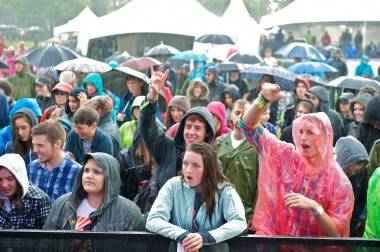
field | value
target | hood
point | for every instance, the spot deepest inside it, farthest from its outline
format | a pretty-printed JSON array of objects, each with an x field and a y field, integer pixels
[
  {"x": 111, "y": 169},
  {"x": 29, "y": 103},
  {"x": 345, "y": 97},
  {"x": 138, "y": 101},
  {"x": 349, "y": 150},
  {"x": 29, "y": 113},
  {"x": 96, "y": 80},
  {"x": 16, "y": 165},
  {"x": 323, "y": 95},
  {"x": 181, "y": 102},
  {"x": 204, "y": 87},
  {"x": 362, "y": 98},
  {"x": 203, "y": 112},
  {"x": 320, "y": 123},
  {"x": 372, "y": 111},
  {"x": 24, "y": 62},
  {"x": 364, "y": 59},
  {"x": 233, "y": 91},
  {"x": 219, "y": 110}
]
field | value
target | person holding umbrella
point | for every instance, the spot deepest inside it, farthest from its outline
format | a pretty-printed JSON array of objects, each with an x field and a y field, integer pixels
[{"x": 302, "y": 190}]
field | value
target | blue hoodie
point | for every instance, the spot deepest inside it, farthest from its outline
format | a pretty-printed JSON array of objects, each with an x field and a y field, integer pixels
[
  {"x": 364, "y": 69},
  {"x": 4, "y": 111},
  {"x": 6, "y": 133}
]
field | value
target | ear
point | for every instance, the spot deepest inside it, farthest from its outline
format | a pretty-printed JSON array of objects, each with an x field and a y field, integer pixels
[{"x": 59, "y": 144}]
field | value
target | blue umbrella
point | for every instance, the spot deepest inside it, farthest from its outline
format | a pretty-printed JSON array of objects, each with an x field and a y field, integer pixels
[
  {"x": 311, "y": 67},
  {"x": 300, "y": 50},
  {"x": 190, "y": 55},
  {"x": 282, "y": 76},
  {"x": 50, "y": 55}
]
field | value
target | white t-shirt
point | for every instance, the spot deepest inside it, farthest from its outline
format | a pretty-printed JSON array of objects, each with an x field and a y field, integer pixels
[
  {"x": 235, "y": 142},
  {"x": 83, "y": 215}
]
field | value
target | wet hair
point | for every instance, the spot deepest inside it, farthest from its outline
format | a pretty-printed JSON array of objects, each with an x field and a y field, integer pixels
[
  {"x": 20, "y": 147},
  {"x": 16, "y": 198},
  {"x": 52, "y": 129},
  {"x": 212, "y": 174},
  {"x": 101, "y": 102},
  {"x": 241, "y": 103},
  {"x": 308, "y": 105},
  {"x": 6, "y": 86},
  {"x": 86, "y": 115},
  {"x": 142, "y": 155}
]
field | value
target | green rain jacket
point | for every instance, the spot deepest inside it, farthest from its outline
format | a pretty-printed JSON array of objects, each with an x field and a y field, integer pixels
[{"x": 23, "y": 83}]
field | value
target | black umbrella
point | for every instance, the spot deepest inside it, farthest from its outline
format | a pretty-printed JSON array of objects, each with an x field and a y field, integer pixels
[
  {"x": 215, "y": 39},
  {"x": 3, "y": 65},
  {"x": 246, "y": 58},
  {"x": 162, "y": 50},
  {"x": 353, "y": 82},
  {"x": 50, "y": 55}
]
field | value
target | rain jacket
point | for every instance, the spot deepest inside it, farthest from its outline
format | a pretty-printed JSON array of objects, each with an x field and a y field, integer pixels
[
  {"x": 345, "y": 98},
  {"x": 374, "y": 158},
  {"x": 349, "y": 151},
  {"x": 283, "y": 168},
  {"x": 32, "y": 209},
  {"x": 23, "y": 83},
  {"x": 172, "y": 212},
  {"x": 101, "y": 142},
  {"x": 324, "y": 106},
  {"x": 6, "y": 133},
  {"x": 44, "y": 101},
  {"x": 4, "y": 111},
  {"x": 166, "y": 151},
  {"x": 364, "y": 69},
  {"x": 363, "y": 99},
  {"x": 217, "y": 109},
  {"x": 372, "y": 224},
  {"x": 200, "y": 101},
  {"x": 240, "y": 166},
  {"x": 97, "y": 81},
  {"x": 116, "y": 213},
  {"x": 368, "y": 134},
  {"x": 30, "y": 156}
]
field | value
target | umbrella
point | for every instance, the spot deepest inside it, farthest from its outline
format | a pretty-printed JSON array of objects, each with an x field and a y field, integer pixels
[
  {"x": 221, "y": 52},
  {"x": 50, "y": 55},
  {"x": 311, "y": 67},
  {"x": 84, "y": 65},
  {"x": 162, "y": 50},
  {"x": 282, "y": 76},
  {"x": 215, "y": 39},
  {"x": 300, "y": 50},
  {"x": 353, "y": 82},
  {"x": 118, "y": 58},
  {"x": 141, "y": 64},
  {"x": 115, "y": 79},
  {"x": 3, "y": 65},
  {"x": 331, "y": 48},
  {"x": 190, "y": 55},
  {"x": 246, "y": 58},
  {"x": 315, "y": 80},
  {"x": 229, "y": 67}
]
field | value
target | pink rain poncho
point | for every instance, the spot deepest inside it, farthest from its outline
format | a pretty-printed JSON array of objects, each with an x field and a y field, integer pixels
[{"x": 283, "y": 169}]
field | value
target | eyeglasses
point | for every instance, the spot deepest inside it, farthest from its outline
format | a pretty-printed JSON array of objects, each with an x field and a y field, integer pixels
[{"x": 60, "y": 93}]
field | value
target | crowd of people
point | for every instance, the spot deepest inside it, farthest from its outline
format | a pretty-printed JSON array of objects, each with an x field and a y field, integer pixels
[{"x": 198, "y": 160}]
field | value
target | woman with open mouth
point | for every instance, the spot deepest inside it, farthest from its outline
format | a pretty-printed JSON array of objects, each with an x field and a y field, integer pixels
[
  {"x": 199, "y": 208},
  {"x": 302, "y": 190}
]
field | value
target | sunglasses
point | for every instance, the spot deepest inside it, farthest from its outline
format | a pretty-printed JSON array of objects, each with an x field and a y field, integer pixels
[{"x": 61, "y": 93}]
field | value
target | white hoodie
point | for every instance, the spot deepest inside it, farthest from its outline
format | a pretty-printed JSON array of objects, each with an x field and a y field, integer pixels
[{"x": 16, "y": 165}]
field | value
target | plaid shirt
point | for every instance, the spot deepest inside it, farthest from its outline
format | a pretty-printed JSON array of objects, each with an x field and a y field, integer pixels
[
  {"x": 30, "y": 213},
  {"x": 55, "y": 182}
]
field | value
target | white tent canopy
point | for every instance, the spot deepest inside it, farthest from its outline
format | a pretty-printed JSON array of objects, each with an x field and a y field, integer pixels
[
  {"x": 85, "y": 18},
  {"x": 312, "y": 11},
  {"x": 241, "y": 27}
]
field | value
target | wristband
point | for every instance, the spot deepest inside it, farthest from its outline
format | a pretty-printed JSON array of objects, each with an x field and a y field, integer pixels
[
  {"x": 262, "y": 101},
  {"x": 318, "y": 211}
]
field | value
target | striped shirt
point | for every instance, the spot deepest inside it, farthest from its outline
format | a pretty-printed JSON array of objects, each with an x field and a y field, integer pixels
[{"x": 54, "y": 182}]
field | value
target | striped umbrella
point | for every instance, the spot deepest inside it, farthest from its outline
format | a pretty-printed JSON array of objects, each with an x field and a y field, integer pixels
[{"x": 83, "y": 65}]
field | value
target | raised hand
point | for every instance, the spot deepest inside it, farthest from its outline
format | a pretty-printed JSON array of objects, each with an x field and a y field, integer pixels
[
  {"x": 272, "y": 92},
  {"x": 156, "y": 83}
]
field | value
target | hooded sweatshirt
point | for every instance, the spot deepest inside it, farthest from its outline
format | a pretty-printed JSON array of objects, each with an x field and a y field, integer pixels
[
  {"x": 364, "y": 69},
  {"x": 166, "y": 151},
  {"x": 30, "y": 156},
  {"x": 362, "y": 99},
  {"x": 368, "y": 134},
  {"x": 218, "y": 110},
  {"x": 345, "y": 98},
  {"x": 202, "y": 100},
  {"x": 23, "y": 83},
  {"x": 116, "y": 213},
  {"x": 372, "y": 224},
  {"x": 6, "y": 132},
  {"x": 34, "y": 205},
  {"x": 4, "y": 111},
  {"x": 324, "y": 106},
  {"x": 349, "y": 151}
]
